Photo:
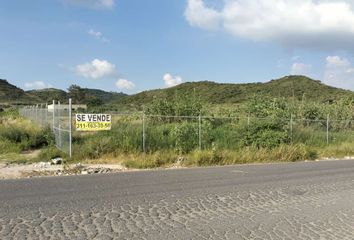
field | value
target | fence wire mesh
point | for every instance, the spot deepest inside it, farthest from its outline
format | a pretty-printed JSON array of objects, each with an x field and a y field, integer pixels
[
  {"x": 139, "y": 132},
  {"x": 151, "y": 133},
  {"x": 56, "y": 116}
]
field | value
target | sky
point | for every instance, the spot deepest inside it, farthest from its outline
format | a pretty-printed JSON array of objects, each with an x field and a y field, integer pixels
[{"x": 135, "y": 45}]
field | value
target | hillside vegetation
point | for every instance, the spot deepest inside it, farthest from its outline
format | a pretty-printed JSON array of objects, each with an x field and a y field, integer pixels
[
  {"x": 47, "y": 95},
  {"x": 265, "y": 129},
  {"x": 290, "y": 87},
  {"x": 11, "y": 94}
]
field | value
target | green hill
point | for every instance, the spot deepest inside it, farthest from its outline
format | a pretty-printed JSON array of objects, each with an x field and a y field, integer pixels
[
  {"x": 290, "y": 87},
  {"x": 104, "y": 96},
  {"x": 14, "y": 95},
  {"x": 47, "y": 95},
  {"x": 87, "y": 94},
  {"x": 298, "y": 87},
  {"x": 10, "y": 94},
  {"x": 92, "y": 97}
]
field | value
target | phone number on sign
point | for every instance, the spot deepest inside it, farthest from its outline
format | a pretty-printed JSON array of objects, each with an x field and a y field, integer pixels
[{"x": 93, "y": 126}]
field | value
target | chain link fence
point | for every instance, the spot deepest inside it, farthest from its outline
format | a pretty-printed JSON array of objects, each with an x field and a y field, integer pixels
[
  {"x": 58, "y": 117},
  {"x": 151, "y": 133},
  {"x": 139, "y": 132}
]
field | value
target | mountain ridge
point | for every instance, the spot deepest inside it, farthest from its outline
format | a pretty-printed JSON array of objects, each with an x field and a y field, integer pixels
[
  {"x": 294, "y": 86},
  {"x": 291, "y": 87}
]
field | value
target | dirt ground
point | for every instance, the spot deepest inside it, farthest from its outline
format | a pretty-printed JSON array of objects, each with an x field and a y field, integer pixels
[{"x": 16, "y": 171}]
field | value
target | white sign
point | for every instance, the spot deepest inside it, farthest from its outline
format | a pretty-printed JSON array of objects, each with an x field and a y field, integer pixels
[{"x": 93, "y": 122}]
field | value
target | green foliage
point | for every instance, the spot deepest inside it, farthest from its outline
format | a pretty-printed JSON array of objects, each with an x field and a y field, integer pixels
[
  {"x": 186, "y": 137},
  {"x": 9, "y": 113},
  {"x": 291, "y": 88},
  {"x": 76, "y": 93},
  {"x": 6, "y": 146},
  {"x": 265, "y": 133},
  {"x": 264, "y": 107},
  {"x": 49, "y": 153},
  {"x": 12, "y": 94},
  {"x": 49, "y": 94},
  {"x": 181, "y": 105},
  {"x": 313, "y": 111},
  {"x": 208, "y": 157},
  {"x": 17, "y": 134},
  {"x": 282, "y": 153},
  {"x": 154, "y": 160},
  {"x": 123, "y": 138},
  {"x": 94, "y": 102},
  {"x": 92, "y": 97}
]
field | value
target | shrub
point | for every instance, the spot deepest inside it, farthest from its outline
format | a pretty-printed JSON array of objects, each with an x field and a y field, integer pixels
[
  {"x": 24, "y": 134},
  {"x": 93, "y": 148},
  {"x": 7, "y": 146},
  {"x": 49, "y": 153},
  {"x": 186, "y": 137},
  {"x": 268, "y": 133}
]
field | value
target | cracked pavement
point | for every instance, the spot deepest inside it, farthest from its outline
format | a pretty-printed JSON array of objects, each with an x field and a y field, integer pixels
[{"x": 276, "y": 201}]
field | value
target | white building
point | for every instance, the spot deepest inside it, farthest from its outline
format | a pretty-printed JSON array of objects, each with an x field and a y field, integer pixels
[{"x": 74, "y": 107}]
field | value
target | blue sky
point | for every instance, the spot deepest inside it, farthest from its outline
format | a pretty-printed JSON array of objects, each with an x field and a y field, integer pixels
[{"x": 135, "y": 45}]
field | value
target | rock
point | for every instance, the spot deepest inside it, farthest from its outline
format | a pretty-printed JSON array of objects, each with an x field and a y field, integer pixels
[
  {"x": 57, "y": 161},
  {"x": 42, "y": 165},
  {"x": 84, "y": 172}
]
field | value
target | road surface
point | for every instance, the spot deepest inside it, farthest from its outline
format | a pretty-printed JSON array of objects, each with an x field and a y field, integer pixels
[{"x": 278, "y": 201}]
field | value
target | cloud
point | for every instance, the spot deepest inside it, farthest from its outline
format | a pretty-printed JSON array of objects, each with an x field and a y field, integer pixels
[
  {"x": 125, "y": 84},
  {"x": 37, "y": 85},
  {"x": 95, "y": 4},
  {"x": 200, "y": 16},
  {"x": 293, "y": 23},
  {"x": 96, "y": 69},
  {"x": 300, "y": 69},
  {"x": 339, "y": 72},
  {"x": 98, "y": 35},
  {"x": 171, "y": 81}
]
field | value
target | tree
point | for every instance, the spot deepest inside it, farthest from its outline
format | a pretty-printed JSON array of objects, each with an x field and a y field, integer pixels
[{"x": 77, "y": 94}]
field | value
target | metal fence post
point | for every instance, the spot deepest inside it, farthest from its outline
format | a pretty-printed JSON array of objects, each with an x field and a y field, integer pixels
[
  {"x": 36, "y": 119},
  {"x": 46, "y": 114},
  {"x": 200, "y": 131},
  {"x": 40, "y": 114},
  {"x": 70, "y": 128},
  {"x": 327, "y": 128},
  {"x": 291, "y": 128},
  {"x": 59, "y": 127},
  {"x": 53, "y": 116},
  {"x": 144, "y": 149}
]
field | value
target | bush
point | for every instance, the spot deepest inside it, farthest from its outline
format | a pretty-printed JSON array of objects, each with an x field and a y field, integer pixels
[
  {"x": 24, "y": 134},
  {"x": 49, "y": 153},
  {"x": 268, "y": 133},
  {"x": 7, "y": 146},
  {"x": 186, "y": 137},
  {"x": 93, "y": 148}
]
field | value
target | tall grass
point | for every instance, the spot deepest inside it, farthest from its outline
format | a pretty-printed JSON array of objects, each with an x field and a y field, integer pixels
[
  {"x": 223, "y": 141},
  {"x": 18, "y": 134}
]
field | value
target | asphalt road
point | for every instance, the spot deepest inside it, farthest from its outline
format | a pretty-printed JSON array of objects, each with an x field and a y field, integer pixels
[{"x": 281, "y": 201}]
